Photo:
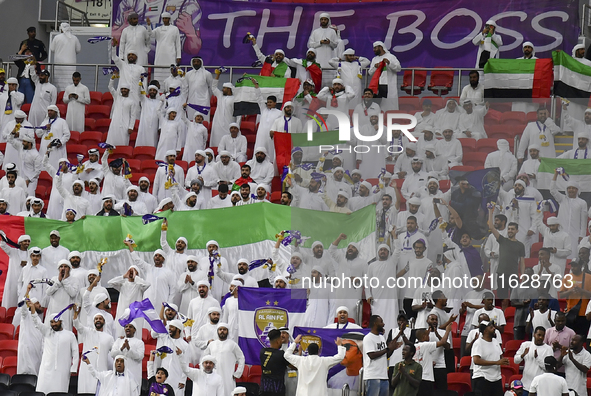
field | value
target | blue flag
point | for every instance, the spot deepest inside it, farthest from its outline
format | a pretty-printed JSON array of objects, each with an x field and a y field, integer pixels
[
  {"x": 264, "y": 309},
  {"x": 144, "y": 310}
]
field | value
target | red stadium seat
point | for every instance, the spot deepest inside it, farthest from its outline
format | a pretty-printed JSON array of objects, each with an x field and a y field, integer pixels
[
  {"x": 248, "y": 128},
  {"x": 146, "y": 336},
  {"x": 457, "y": 343},
  {"x": 133, "y": 138},
  {"x": 135, "y": 166},
  {"x": 420, "y": 79},
  {"x": 459, "y": 382},
  {"x": 144, "y": 152},
  {"x": 96, "y": 98},
  {"x": 103, "y": 125},
  {"x": 2, "y": 314},
  {"x": 41, "y": 192},
  {"x": 409, "y": 104},
  {"x": 531, "y": 262},
  {"x": 496, "y": 131},
  {"x": 149, "y": 167},
  {"x": 468, "y": 144},
  {"x": 136, "y": 176},
  {"x": 91, "y": 139},
  {"x": 500, "y": 106},
  {"x": 465, "y": 363},
  {"x": 441, "y": 81},
  {"x": 123, "y": 152},
  {"x": 535, "y": 249},
  {"x": 107, "y": 99},
  {"x": 6, "y": 332},
  {"x": 513, "y": 118},
  {"x": 463, "y": 168},
  {"x": 60, "y": 97},
  {"x": 532, "y": 116},
  {"x": 26, "y": 107},
  {"x": 89, "y": 124},
  {"x": 74, "y": 137},
  {"x": 255, "y": 374},
  {"x": 245, "y": 375},
  {"x": 9, "y": 365},
  {"x": 512, "y": 346},
  {"x": 509, "y": 371},
  {"x": 436, "y": 102},
  {"x": 10, "y": 314},
  {"x": 74, "y": 149},
  {"x": 98, "y": 112},
  {"x": 63, "y": 110},
  {"x": 8, "y": 348},
  {"x": 276, "y": 197},
  {"x": 45, "y": 180},
  {"x": 474, "y": 159},
  {"x": 373, "y": 181},
  {"x": 183, "y": 164},
  {"x": 509, "y": 314},
  {"x": 444, "y": 185}
]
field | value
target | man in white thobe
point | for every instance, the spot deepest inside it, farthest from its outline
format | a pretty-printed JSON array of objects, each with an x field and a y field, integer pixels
[
  {"x": 557, "y": 240},
  {"x": 349, "y": 69},
  {"x": 505, "y": 161},
  {"x": 160, "y": 190},
  {"x": 92, "y": 168},
  {"x": 200, "y": 305},
  {"x": 114, "y": 183},
  {"x": 202, "y": 336},
  {"x": 90, "y": 338},
  {"x": 224, "y": 110},
  {"x": 10, "y": 100},
  {"x": 189, "y": 282},
  {"x": 471, "y": 123},
  {"x": 350, "y": 264},
  {"x": 572, "y": 214},
  {"x": 383, "y": 301},
  {"x": 147, "y": 134},
  {"x": 123, "y": 118},
  {"x": 540, "y": 132},
  {"x": 130, "y": 73},
  {"x": 45, "y": 95},
  {"x": 171, "y": 362},
  {"x": 14, "y": 133},
  {"x": 235, "y": 143},
  {"x": 579, "y": 150},
  {"x": 473, "y": 91},
  {"x": 388, "y": 82},
  {"x": 135, "y": 38},
  {"x": 488, "y": 42},
  {"x": 117, "y": 382},
  {"x": 14, "y": 195},
  {"x": 132, "y": 347},
  {"x": 339, "y": 98},
  {"x": 261, "y": 168},
  {"x": 30, "y": 351},
  {"x": 168, "y": 45},
  {"x": 131, "y": 287},
  {"x": 53, "y": 254},
  {"x": 324, "y": 40},
  {"x": 76, "y": 97},
  {"x": 73, "y": 198},
  {"x": 228, "y": 354},
  {"x": 287, "y": 122},
  {"x": 64, "y": 46},
  {"x": 17, "y": 259},
  {"x": 204, "y": 377},
  {"x": 199, "y": 82},
  {"x": 62, "y": 293},
  {"x": 54, "y": 135},
  {"x": 60, "y": 354}
]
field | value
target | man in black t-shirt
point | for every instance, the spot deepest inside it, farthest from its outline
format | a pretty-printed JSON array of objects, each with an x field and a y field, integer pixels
[
  {"x": 511, "y": 256},
  {"x": 274, "y": 365}
]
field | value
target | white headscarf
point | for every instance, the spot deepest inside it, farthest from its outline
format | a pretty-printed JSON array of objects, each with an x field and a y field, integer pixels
[{"x": 66, "y": 29}]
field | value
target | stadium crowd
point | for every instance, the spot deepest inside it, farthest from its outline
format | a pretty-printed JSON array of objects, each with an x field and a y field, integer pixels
[{"x": 523, "y": 326}]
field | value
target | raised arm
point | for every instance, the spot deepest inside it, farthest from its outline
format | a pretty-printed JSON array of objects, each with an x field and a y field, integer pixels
[{"x": 490, "y": 223}]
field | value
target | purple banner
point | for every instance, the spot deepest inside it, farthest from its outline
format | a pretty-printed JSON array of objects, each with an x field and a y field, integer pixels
[{"x": 421, "y": 34}]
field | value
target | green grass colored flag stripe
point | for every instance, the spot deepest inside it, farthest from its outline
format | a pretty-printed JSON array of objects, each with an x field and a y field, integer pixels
[
  {"x": 318, "y": 138},
  {"x": 561, "y": 58},
  {"x": 510, "y": 66},
  {"x": 266, "y": 82},
  {"x": 571, "y": 166}
]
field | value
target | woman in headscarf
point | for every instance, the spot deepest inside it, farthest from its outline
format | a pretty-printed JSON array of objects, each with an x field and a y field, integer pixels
[{"x": 64, "y": 47}]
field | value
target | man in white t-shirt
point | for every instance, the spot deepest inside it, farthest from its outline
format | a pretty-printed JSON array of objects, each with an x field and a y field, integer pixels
[
  {"x": 495, "y": 314},
  {"x": 533, "y": 353},
  {"x": 549, "y": 383},
  {"x": 375, "y": 358},
  {"x": 576, "y": 361},
  {"x": 422, "y": 303},
  {"x": 471, "y": 302},
  {"x": 541, "y": 317},
  {"x": 487, "y": 356},
  {"x": 474, "y": 335},
  {"x": 425, "y": 355},
  {"x": 439, "y": 367},
  {"x": 400, "y": 335}
]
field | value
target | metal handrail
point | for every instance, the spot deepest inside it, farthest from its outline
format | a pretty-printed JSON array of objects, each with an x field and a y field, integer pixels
[
  {"x": 359, "y": 312},
  {"x": 69, "y": 9},
  {"x": 361, "y": 383},
  {"x": 346, "y": 390}
]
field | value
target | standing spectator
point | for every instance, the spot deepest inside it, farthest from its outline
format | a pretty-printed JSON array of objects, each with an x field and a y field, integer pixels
[
  {"x": 274, "y": 366},
  {"x": 45, "y": 95},
  {"x": 559, "y": 336},
  {"x": 324, "y": 40},
  {"x": 576, "y": 361},
  {"x": 199, "y": 83},
  {"x": 388, "y": 81},
  {"x": 123, "y": 118},
  {"x": 521, "y": 297},
  {"x": 168, "y": 45},
  {"x": 407, "y": 375},
  {"x": 135, "y": 38},
  {"x": 488, "y": 42},
  {"x": 65, "y": 46},
  {"x": 225, "y": 110},
  {"x": 36, "y": 47},
  {"x": 533, "y": 353},
  {"x": 557, "y": 241},
  {"x": 487, "y": 356},
  {"x": 577, "y": 296},
  {"x": 76, "y": 97},
  {"x": 540, "y": 132},
  {"x": 549, "y": 383},
  {"x": 375, "y": 358},
  {"x": 10, "y": 102}
]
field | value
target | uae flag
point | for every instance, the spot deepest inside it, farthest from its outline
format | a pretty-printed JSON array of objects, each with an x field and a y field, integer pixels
[
  {"x": 248, "y": 230},
  {"x": 245, "y": 103},
  {"x": 286, "y": 142},
  {"x": 572, "y": 79},
  {"x": 578, "y": 170},
  {"x": 518, "y": 78}
]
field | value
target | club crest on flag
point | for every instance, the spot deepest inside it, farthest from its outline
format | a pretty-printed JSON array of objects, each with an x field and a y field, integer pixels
[
  {"x": 267, "y": 319},
  {"x": 307, "y": 340},
  {"x": 171, "y": 9}
]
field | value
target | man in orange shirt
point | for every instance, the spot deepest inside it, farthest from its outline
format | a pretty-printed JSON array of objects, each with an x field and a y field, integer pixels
[{"x": 576, "y": 288}]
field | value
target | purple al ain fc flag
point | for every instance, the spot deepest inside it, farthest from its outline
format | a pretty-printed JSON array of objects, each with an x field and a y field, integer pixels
[{"x": 264, "y": 309}]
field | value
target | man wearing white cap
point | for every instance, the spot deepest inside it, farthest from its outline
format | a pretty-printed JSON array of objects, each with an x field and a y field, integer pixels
[
  {"x": 471, "y": 122},
  {"x": 131, "y": 287},
  {"x": 521, "y": 208},
  {"x": 53, "y": 253},
  {"x": 100, "y": 303},
  {"x": 230, "y": 313},
  {"x": 324, "y": 40},
  {"x": 125, "y": 108},
  {"x": 540, "y": 132},
  {"x": 130, "y": 72},
  {"x": 72, "y": 196},
  {"x": 92, "y": 167},
  {"x": 93, "y": 336},
  {"x": 308, "y": 69},
  {"x": 199, "y": 306},
  {"x": 529, "y": 52},
  {"x": 147, "y": 134},
  {"x": 349, "y": 69},
  {"x": 60, "y": 353},
  {"x": 162, "y": 178},
  {"x": 78, "y": 273},
  {"x": 342, "y": 320},
  {"x": 171, "y": 362},
  {"x": 269, "y": 113},
  {"x": 318, "y": 308},
  {"x": 55, "y": 207},
  {"x": 228, "y": 354},
  {"x": 18, "y": 258},
  {"x": 308, "y": 198},
  {"x": 414, "y": 182},
  {"x": 435, "y": 164},
  {"x": 403, "y": 164},
  {"x": 235, "y": 143},
  {"x": 572, "y": 123},
  {"x": 450, "y": 148},
  {"x": 239, "y": 391},
  {"x": 488, "y": 42},
  {"x": 14, "y": 133},
  {"x": 505, "y": 161},
  {"x": 278, "y": 67},
  {"x": 10, "y": 101},
  {"x": 199, "y": 83},
  {"x": 168, "y": 45},
  {"x": 202, "y": 336},
  {"x": 243, "y": 271},
  {"x": 288, "y": 123},
  {"x": 135, "y": 38},
  {"x": 29, "y": 273},
  {"x": 448, "y": 118},
  {"x": 226, "y": 169},
  {"x": 340, "y": 206},
  {"x": 224, "y": 110},
  {"x": 188, "y": 282},
  {"x": 76, "y": 97},
  {"x": 29, "y": 353},
  {"x": 138, "y": 207},
  {"x": 45, "y": 96},
  {"x": 204, "y": 172},
  {"x": 261, "y": 168},
  {"x": 581, "y": 151},
  {"x": 338, "y": 97},
  {"x": 196, "y": 139},
  {"x": 578, "y": 53},
  {"x": 55, "y": 135},
  {"x": 35, "y": 211},
  {"x": 366, "y": 106},
  {"x": 388, "y": 81},
  {"x": 176, "y": 259},
  {"x": 62, "y": 293},
  {"x": 366, "y": 197},
  {"x": 145, "y": 196},
  {"x": 204, "y": 378},
  {"x": 572, "y": 215},
  {"x": 161, "y": 278},
  {"x": 532, "y": 163},
  {"x": 29, "y": 158}
]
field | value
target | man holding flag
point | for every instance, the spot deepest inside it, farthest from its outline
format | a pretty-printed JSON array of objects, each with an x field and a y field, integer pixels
[{"x": 384, "y": 81}]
